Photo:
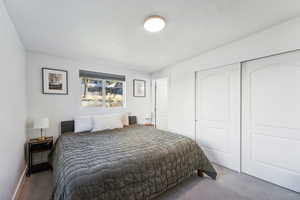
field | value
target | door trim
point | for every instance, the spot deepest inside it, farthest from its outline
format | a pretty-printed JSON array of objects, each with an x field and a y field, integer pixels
[
  {"x": 270, "y": 55},
  {"x": 155, "y": 96}
]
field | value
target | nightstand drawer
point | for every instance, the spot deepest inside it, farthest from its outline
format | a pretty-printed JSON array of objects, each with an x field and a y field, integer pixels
[{"x": 41, "y": 147}]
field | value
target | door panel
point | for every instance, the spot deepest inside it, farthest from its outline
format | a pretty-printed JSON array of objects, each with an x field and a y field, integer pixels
[
  {"x": 271, "y": 125},
  {"x": 214, "y": 139},
  {"x": 218, "y": 114},
  {"x": 214, "y": 96},
  {"x": 162, "y": 103}
]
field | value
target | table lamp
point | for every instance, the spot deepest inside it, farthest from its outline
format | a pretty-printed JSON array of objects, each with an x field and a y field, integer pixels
[{"x": 41, "y": 123}]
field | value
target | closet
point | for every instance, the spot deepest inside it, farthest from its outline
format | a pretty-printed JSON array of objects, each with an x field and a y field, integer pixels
[
  {"x": 271, "y": 119},
  {"x": 264, "y": 138},
  {"x": 218, "y": 114}
]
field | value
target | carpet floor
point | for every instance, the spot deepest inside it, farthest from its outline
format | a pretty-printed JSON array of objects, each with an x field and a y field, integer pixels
[{"x": 228, "y": 186}]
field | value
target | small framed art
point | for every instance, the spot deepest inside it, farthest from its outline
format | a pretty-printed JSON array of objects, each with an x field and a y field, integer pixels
[
  {"x": 139, "y": 88},
  {"x": 55, "y": 81}
]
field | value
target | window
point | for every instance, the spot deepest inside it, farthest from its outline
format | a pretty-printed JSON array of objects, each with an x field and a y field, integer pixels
[
  {"x": 113, "y": 93},
  {"x": 102, "y": 90},
  {"x": 92, "y": 92}
]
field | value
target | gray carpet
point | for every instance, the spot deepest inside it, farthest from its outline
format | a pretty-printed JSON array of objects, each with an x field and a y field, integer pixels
[{"x": 228, "y": 186}]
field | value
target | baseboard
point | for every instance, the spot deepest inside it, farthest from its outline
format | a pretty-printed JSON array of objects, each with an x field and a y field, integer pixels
[{"x": 19, "y": 186}]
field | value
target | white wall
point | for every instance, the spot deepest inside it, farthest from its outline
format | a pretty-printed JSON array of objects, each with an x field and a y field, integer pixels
[
  {"x": 12, "y": 106},
  {"x": 279, "y": 38},
  {"x": 65, "y": 107}
]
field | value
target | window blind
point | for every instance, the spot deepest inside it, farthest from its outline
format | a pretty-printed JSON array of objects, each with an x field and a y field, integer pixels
[{"x": 100, "y": 75}]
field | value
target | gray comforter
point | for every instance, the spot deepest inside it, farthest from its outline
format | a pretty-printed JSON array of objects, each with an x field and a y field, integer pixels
[{"x": 131, "y": 163}]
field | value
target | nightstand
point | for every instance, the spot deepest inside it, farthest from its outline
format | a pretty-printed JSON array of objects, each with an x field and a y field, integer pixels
[{"x": 38, "y": 146}]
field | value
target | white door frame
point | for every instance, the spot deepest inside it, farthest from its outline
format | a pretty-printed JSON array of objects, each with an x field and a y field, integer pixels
[{"x": 154, "y": 81}]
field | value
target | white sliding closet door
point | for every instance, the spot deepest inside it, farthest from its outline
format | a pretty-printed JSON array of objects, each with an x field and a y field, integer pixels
[
  {"x": 271, "y": 125},
  {"x": 218, "y": 114}
]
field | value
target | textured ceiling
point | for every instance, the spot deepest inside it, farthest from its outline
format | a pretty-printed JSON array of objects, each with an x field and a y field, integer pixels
[{"x": 112, "y": 30}]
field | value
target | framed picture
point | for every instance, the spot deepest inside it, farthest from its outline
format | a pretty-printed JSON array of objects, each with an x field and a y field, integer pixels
[
  {"x": 139, "y": 88},
  {"x": 55, "y": 81}
]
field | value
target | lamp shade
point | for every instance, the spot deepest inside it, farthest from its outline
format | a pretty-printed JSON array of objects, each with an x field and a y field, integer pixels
[{"x": 41, "y": 123}]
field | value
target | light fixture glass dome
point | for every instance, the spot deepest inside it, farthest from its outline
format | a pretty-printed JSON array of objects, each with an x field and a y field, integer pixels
[{"x": 154, "y": 23}]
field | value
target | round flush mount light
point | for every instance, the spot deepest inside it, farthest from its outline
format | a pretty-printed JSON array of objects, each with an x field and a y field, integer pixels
[{"x": 154, "y": 23}]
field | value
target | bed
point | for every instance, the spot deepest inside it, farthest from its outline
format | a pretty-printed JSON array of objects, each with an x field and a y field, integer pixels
[{"x": 133, "y": 163}]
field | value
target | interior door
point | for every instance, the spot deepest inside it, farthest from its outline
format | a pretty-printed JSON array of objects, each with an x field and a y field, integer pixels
[
  {"x": 271, "y": 125},
  {"x": 161, "y": 101},
  {"x": 218, "y": 114}
]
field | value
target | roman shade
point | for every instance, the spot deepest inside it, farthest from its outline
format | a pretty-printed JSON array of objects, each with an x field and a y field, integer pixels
[{"x": 100, "y": 75}]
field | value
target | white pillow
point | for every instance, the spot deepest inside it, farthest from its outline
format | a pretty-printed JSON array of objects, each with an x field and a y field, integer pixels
[
  {"x": 83, "y": 124},
  {"x": 104, "y": 122},
  {"x": 124, "y": 118}
]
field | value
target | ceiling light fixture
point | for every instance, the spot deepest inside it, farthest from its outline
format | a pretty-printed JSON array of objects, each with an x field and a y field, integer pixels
[{"x": 154, "y": 23}]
